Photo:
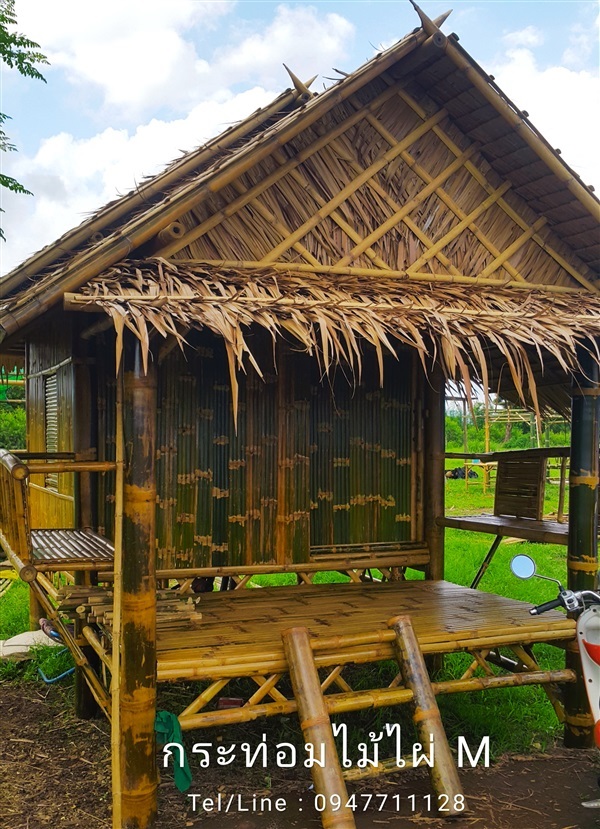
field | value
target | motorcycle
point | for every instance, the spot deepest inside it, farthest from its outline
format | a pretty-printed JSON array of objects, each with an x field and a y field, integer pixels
[{"x": 585, "y": 604}]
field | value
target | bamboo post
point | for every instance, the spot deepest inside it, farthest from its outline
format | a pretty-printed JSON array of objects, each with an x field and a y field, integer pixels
[
  {"x": 115, "y": 737},
  {"x": 316, "y": 727},
  {"x": 427, "y": 718},
  {"x": 135, "y": 698},
  {"x": 582, "y": 550},
  {"x": 86, "y": 706},
  {"x": 433, "y": 483}
]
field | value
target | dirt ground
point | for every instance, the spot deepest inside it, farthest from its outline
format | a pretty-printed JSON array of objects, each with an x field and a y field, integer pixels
[{"x": 55, "y": 774}]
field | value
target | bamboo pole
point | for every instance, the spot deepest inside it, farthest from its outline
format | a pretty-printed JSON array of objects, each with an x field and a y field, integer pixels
[
  {"x": 74, "y": 302},
  {"x": 115, "y": 735},
  {"x": 70, "y": 466},
  {"x": 336, "y": 704},
  {"x": 427, "y": 718},
  {"x": 433, "y": 483},
  {"x": 582, "y": 550},
  {"x": 316, "y": 727},
  {"x": 89, "y": 634},
  {"x": 136, "y": 696}
]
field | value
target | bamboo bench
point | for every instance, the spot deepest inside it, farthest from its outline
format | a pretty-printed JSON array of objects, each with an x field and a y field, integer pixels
[
  {"x": 34, "y": 551},
  {"x": 518, "y": 503}
]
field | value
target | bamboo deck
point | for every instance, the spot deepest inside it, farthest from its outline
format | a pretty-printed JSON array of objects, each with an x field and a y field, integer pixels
[
  {"x": 240, "y": 632},
  {"x": 549, "y": 532}
]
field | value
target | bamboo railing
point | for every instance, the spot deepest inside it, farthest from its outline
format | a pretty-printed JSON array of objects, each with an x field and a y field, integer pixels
[{"x": 15, "y": 529}]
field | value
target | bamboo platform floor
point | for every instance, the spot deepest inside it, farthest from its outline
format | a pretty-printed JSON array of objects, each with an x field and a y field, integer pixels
[
  {"x": 546, "y": 530},
  {"x": 240, "y": 631}
]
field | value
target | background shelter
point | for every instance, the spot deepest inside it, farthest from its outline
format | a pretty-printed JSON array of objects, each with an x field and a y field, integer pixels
[{"x": 251, "y": 350}]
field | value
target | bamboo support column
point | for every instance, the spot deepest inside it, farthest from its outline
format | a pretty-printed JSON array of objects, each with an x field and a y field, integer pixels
[
  {"x": 434, "y": 447},
  {"x": 86, "y": 706},
  {"x": 427, "y": 718},
  {"x": 135, "y": 696},
  {"x": 316, "y": 726},
  {"x": 582, "y": 561}
]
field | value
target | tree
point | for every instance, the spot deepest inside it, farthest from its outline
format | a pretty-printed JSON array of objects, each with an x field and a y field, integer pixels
[{"x": 20, "y": 53}]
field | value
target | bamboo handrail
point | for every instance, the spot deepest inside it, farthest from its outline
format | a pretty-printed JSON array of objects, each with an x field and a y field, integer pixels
[
  {"x": 26, "y": 570},
  {"x": 400, "y": 559},
  {"x": 71, "y": 466}
]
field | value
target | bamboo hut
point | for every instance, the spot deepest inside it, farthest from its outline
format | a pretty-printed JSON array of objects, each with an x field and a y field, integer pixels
[{"x": 238, "y": 368}]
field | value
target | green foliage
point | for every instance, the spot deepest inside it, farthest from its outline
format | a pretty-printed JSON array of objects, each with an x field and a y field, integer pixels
[
  {"x": 518, "y": 434},
  {"x": 14, "y": 618},
  {"x": 12, "y": 426},
  {"x": 20, "y": 53}
]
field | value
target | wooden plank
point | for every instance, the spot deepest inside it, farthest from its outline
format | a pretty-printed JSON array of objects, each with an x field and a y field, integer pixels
[{"x": 545, "y": 531}]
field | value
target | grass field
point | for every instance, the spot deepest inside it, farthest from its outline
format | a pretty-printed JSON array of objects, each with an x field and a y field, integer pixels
[{"x": 517, "y": 720}]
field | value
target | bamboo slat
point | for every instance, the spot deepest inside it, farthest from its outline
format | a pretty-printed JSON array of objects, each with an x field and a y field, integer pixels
[{"x": 349, "y": 623}]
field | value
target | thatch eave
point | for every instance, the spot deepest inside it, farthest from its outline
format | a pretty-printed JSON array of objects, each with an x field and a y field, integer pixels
[{"x": 475, "y": 332}]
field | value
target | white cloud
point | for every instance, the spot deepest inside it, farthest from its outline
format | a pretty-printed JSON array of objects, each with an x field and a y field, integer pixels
[
  {"x": 529, "y": 36},
  {"x": 555, "y": 98},
  {"x": 583, "y": 43},
  {"x": 143, "y": 56},
  {"x": 146, "y": 54},
  {"x": 139, "y": 53},
  {"x": 299, "y": 36}
]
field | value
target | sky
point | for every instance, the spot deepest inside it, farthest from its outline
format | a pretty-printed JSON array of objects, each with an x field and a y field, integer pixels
[{"x": 134, "y": 83}]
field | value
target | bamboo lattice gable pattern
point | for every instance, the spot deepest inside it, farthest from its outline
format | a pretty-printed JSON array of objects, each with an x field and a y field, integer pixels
[
  {"x": 329, "y": 318},
  {"x": 391, "y": 168}
]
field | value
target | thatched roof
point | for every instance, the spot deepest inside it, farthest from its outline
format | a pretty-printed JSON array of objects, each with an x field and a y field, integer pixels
[
  {"x": 409, "y": 191},
  {"x": 457, "y": 324}
]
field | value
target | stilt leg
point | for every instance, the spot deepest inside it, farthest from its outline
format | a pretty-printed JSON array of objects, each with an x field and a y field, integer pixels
[
  {"x": 427, "y": 718},
  {"x": 316, "y": 727}
]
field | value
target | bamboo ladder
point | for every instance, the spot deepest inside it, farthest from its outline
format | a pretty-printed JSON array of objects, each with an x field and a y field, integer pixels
[{"x": 329, "y": 780}]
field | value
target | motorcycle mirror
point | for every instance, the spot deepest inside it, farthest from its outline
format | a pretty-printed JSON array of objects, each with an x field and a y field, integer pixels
[{"x": 523, "y": 567}]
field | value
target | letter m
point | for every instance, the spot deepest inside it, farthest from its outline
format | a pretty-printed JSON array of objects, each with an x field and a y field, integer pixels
[{"x": 484, "y": 748}]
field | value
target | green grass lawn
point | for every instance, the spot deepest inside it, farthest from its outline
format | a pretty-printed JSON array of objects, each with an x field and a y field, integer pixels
[{"x": 516, "y": 719}]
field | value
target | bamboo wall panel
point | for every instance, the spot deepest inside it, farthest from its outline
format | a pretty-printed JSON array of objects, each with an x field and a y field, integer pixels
[
  {"x": 106, "y": 435},
  {"x": 50, "y": 396},
  {"x": 310, "y": 464},
  {"x": 50, "y": 509},
  {"x": 361, "y": 457}
]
